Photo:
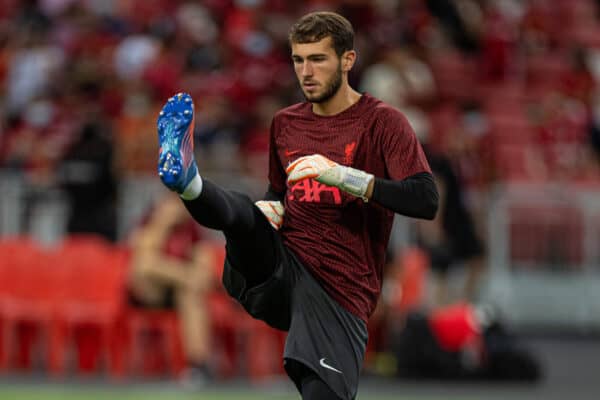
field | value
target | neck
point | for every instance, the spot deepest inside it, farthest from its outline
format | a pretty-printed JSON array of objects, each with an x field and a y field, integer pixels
[{"x": 343, "y": 99}]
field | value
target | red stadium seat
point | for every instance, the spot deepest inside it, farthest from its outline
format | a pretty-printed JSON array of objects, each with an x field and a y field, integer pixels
[
  {"x": 161, "y": 327},
  {"x": 234, "y": 333},
  {"x": 91, "y": 306},
  {"x": 27, "y": 307},
  {"x": 264, "y": 350},
  {"x": 157, "y": 330},
  {"x": 239, "y": 334}
]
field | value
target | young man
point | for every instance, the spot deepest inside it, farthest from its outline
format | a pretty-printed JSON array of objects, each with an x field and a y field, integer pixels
[{"x": 341, "y": 165}]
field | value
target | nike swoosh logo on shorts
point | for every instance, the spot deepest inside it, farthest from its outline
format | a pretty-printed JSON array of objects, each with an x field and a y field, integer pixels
[{"x": 325, "y": 365}]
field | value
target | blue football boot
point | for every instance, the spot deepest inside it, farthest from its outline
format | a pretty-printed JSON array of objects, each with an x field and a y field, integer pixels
[{"x": 176, "y": 164}]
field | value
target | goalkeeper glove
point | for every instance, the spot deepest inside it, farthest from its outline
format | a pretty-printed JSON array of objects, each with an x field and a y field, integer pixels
[
  {"x": 273, "y": 210},
  {"x": 350, "y": 180}
]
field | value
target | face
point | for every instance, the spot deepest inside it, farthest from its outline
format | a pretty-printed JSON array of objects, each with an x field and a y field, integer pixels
[{"x": 318, "y": 68}]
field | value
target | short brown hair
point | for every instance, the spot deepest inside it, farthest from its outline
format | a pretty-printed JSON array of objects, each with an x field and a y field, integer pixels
[{"x": 318, "y": 25}]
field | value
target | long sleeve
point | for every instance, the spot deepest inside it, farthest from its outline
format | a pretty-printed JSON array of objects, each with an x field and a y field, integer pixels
[{"x": 415, "y": 196}]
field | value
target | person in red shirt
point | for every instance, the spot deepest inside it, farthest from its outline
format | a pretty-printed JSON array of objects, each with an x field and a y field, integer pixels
[
  {"x": 171, "y": 269},
  {"x": 341, "y": 164}
]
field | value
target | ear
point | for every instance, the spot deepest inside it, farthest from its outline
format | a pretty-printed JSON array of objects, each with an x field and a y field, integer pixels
[{"x": 348, "y": 59}]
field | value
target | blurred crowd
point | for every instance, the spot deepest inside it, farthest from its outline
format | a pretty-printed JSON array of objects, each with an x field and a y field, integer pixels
[
  {"x": 506, "y": 89},
  {"x": 498, "y": 91}
]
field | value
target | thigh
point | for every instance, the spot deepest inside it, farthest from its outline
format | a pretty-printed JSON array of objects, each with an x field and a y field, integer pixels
[
  {"x": 254, "y": 253},
  {"x": 250, "y": 237},
  {"x": 324, "y": 337},
  {"x": 263, "y": 291}
]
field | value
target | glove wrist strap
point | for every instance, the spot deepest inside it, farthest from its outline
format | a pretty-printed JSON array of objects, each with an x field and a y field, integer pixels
[
  {"x": 356, "y": 182},
  {"x": 350, "y": 180}
]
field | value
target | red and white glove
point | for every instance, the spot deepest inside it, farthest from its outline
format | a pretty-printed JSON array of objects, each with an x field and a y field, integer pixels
[
  {"x": 322, "y": 169},
  {"x": 273, "y": 210}
]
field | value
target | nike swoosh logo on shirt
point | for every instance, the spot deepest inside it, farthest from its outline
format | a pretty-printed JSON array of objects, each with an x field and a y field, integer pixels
[
  {"x": 291, "y": 153},
  {"x": 325, "y": 365}
]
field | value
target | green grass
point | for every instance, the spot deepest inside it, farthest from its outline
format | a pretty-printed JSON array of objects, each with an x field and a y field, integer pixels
[
  {"x": 55, "y": 393},
  {"x": 43, "y": 392},
  {"x": 113, "y": 395}
]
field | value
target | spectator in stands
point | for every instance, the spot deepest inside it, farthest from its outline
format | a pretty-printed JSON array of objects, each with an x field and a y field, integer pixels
[
  {"x": 457, "y": 22},
  {"x": 594, "y": 132},
  {"x": 86, "y": 176},
  {"x": 170, "y": 269},
  {"x": 451, "y": 238}
]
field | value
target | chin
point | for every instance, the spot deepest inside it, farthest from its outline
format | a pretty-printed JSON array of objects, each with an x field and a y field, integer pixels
[
  {"x": 311, "y": 97},
  {"x": 314, "y": 97}
]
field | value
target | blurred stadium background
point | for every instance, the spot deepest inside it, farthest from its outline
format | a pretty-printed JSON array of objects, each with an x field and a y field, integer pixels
[{"x": 507, "y": 90}]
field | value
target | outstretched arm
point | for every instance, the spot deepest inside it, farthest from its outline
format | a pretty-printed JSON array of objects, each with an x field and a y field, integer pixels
[{"x": 415, "y": 196}]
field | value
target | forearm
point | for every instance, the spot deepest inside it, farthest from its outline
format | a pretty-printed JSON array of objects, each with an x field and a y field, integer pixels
[{"x": 415, "y": 196}]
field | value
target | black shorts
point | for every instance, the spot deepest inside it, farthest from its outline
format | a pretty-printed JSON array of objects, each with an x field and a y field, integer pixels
[{"x": 322, "y": 335}]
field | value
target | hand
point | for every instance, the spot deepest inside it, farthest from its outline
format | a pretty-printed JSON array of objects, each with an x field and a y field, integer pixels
[
  {"x": 308, "y": 167},
  {"x": 273, "y": 210},
  {"x": 323, "y": 170}
]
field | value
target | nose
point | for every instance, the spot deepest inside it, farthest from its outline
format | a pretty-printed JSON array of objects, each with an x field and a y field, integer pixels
[{"x": 307, "y": 69}]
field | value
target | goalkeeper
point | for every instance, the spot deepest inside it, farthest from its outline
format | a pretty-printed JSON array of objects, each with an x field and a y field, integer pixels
[{"x": 308, "y": 258}]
